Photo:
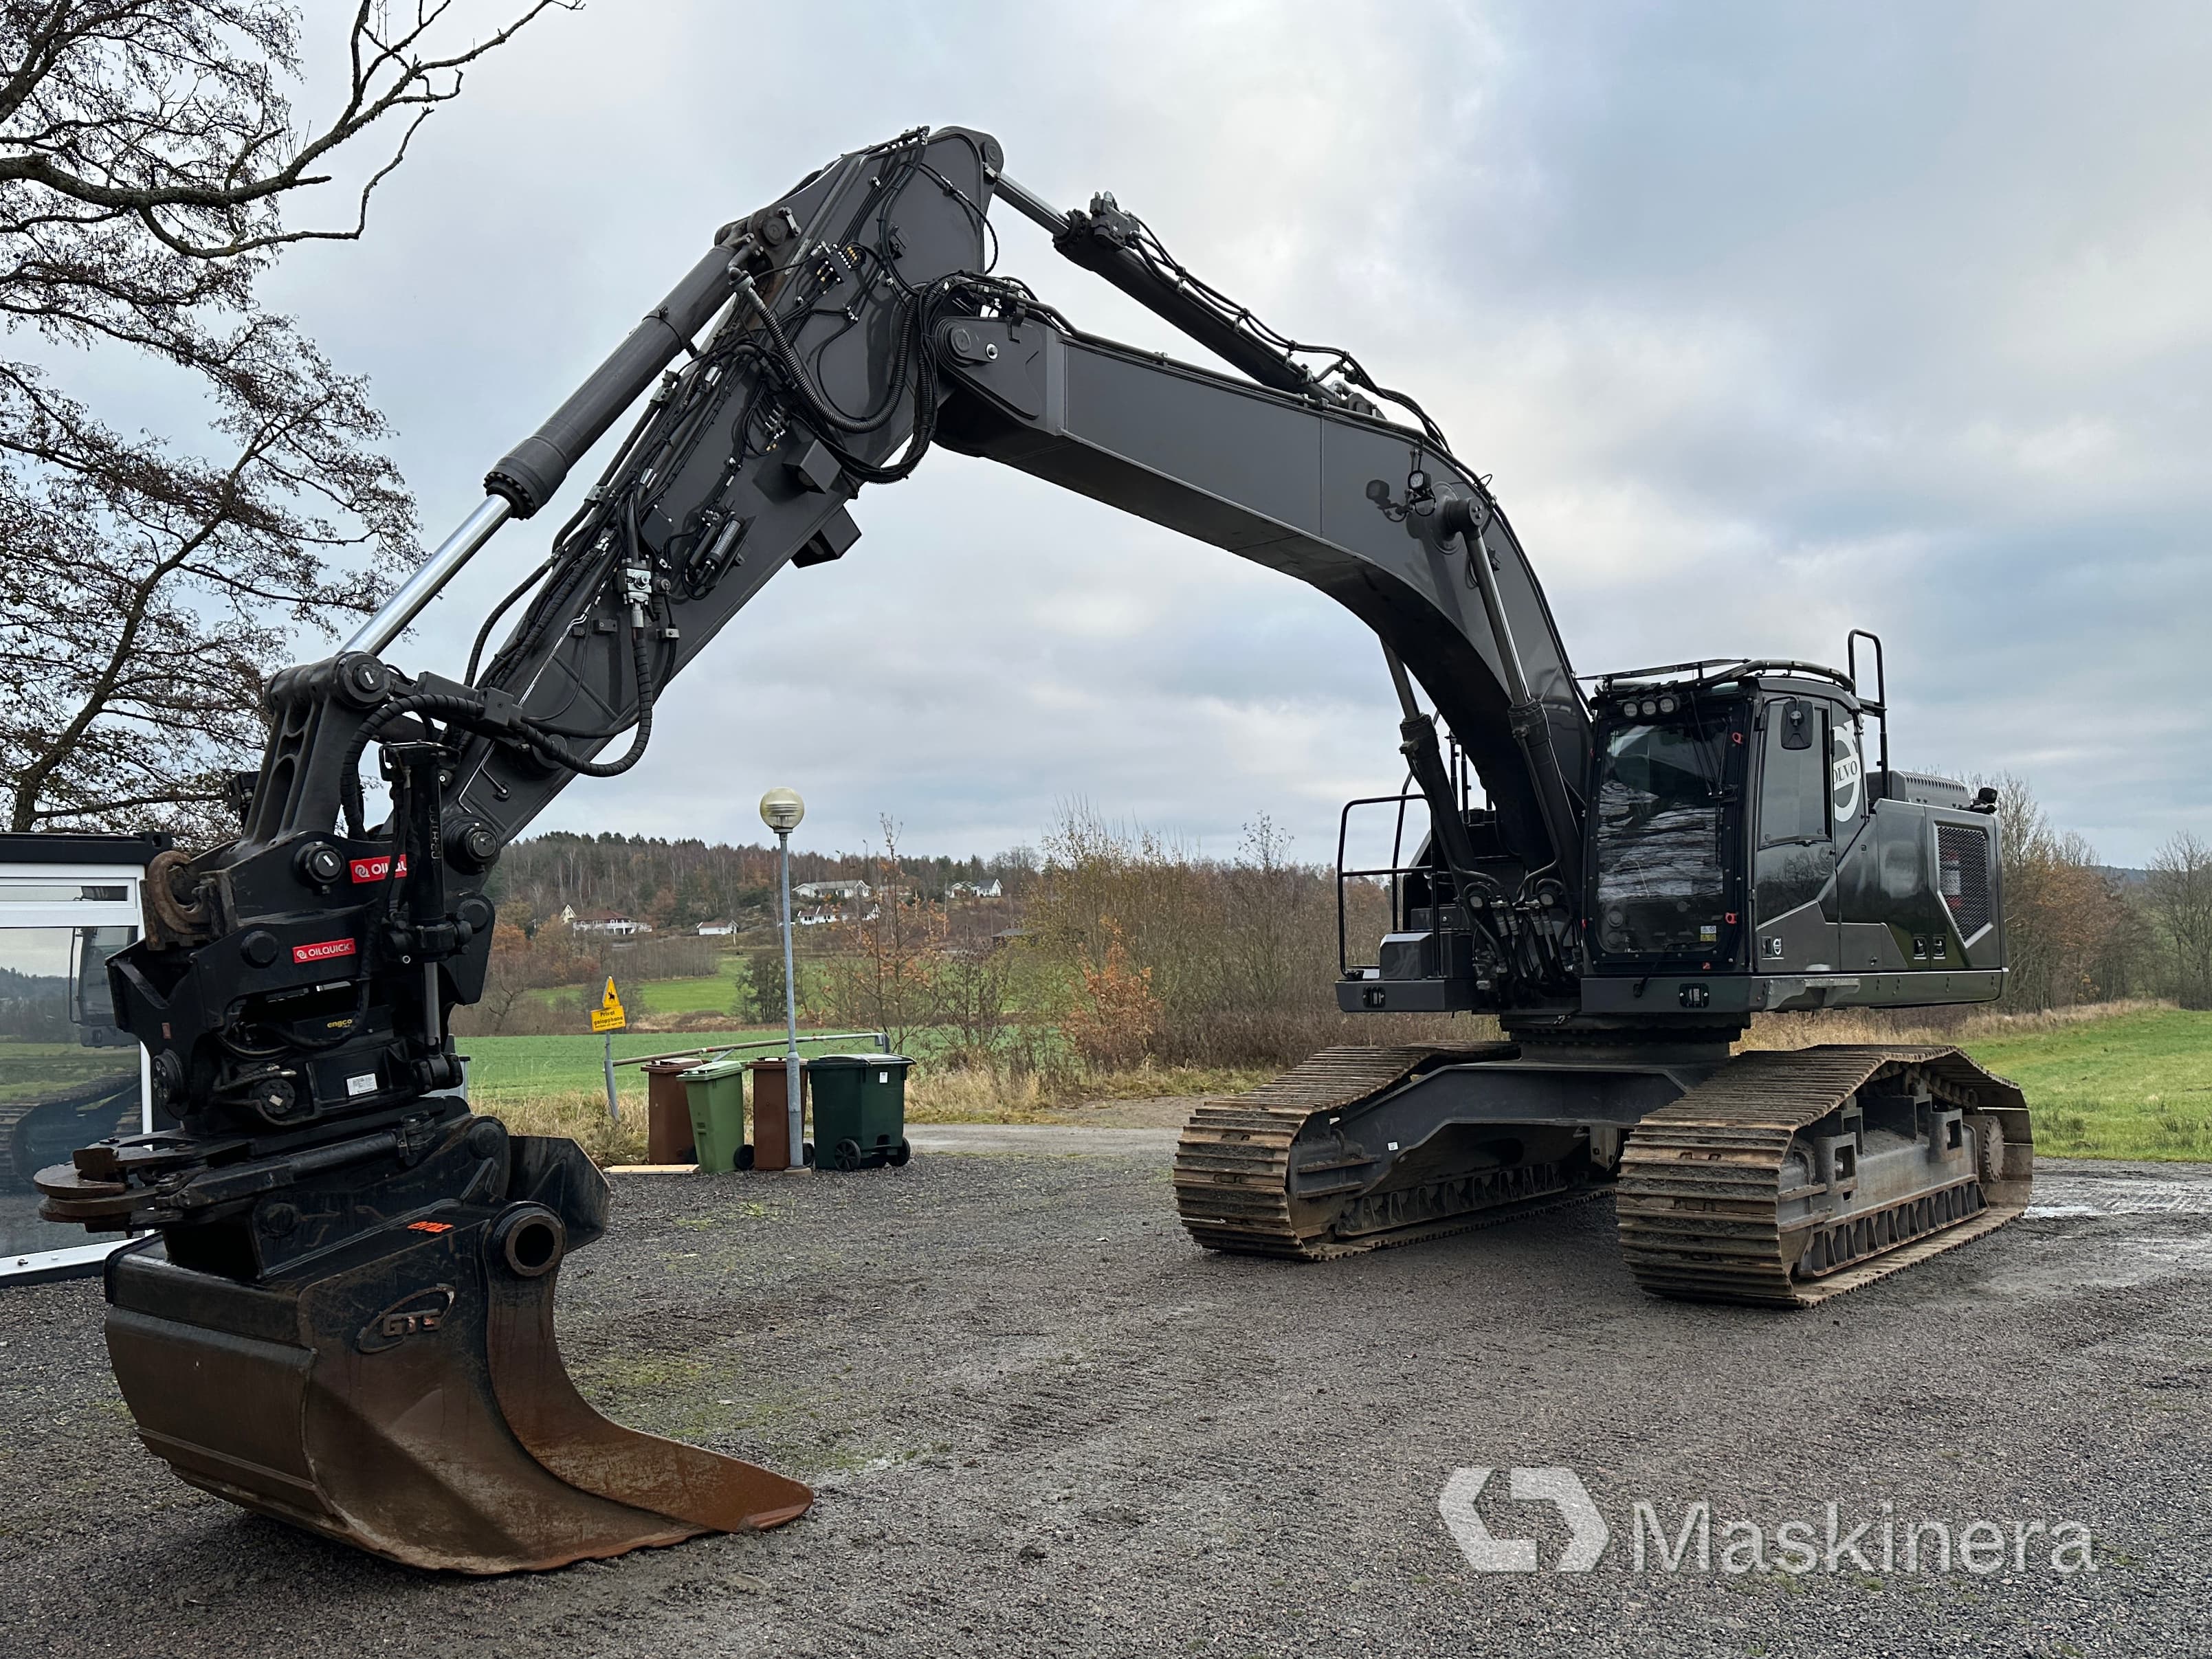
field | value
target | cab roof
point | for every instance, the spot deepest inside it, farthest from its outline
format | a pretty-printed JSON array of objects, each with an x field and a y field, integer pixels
[{"x": 1724, "y": 676}]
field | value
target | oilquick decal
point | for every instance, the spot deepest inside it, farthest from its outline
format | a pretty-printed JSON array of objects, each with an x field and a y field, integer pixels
[
  {"x": 1845, "y": 749},
  {"x": 376, "y": 869},
  {"x": 323, "y": 950}
]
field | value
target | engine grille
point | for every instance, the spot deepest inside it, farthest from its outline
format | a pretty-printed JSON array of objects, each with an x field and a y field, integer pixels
[{"x": 1963, "y": 853}]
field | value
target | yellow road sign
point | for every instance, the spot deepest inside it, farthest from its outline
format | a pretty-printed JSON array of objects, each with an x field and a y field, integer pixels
[{"x": 609, "y": 1016}]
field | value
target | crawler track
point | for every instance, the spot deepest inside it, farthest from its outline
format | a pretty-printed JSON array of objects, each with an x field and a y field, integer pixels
[
  {"x": 1232, "y": 1167},
  {"x": 1700, "y": 1199}
]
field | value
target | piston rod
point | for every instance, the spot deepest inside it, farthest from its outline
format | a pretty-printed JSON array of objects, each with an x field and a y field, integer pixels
[
  {"x": 425, "y": 585},
  {"x": 1031, "y": 207}
]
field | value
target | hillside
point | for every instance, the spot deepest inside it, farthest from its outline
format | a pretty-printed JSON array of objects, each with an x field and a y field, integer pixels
[{"x": 674, "y": 886}]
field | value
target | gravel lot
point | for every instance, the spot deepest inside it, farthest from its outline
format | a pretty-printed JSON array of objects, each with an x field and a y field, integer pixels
[{"x": 1041, "y": 1422}]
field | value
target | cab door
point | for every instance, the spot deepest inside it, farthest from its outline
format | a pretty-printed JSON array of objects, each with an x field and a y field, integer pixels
[{"x": 1796, "y": 922}]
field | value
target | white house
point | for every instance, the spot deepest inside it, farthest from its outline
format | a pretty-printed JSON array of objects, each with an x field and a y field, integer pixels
[
  {"x": 974, "y": 889},
  {"x": 717, "y": 929},
  {"x": 842, "y": 891},
  {"x": 611, "y": 923}
]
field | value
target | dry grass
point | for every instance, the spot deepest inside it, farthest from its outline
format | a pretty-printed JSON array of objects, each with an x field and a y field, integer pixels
[
  {"x": 581, "y": 1115},
  {"x": 962, "y": 1095},
  {"x": 934, "y": 1095},
  {"x": 1959, "y": 1025}
]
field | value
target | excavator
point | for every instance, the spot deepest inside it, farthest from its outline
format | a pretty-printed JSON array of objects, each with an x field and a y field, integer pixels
[{"x": 340, "y": 1310}]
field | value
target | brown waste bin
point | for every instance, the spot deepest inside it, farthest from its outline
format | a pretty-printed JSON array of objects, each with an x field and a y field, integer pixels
[
  {"x": 668, "y": 1113},
  {"x": 772, "y": 1115}
]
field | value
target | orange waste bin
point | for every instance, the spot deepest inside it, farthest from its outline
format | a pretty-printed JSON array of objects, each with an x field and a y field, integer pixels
[{"x": 772, "y": 1115}]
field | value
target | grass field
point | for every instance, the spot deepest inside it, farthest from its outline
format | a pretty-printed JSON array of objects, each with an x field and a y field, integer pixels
[
  {"x": 2136, "y": 1084},
  {"x": 716, "y": 993},
  {"x": 2131, "y": 1081},
  {"x": 505, "y": 1069}
]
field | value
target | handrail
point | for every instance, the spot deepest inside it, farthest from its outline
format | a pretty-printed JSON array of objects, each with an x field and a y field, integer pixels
[
  {"x": 883, "y": 1042},
  {"x": 1880, "y": 707},
  {"x": 1728, "y": 668},
  {"x": 1397, "y": 846}
]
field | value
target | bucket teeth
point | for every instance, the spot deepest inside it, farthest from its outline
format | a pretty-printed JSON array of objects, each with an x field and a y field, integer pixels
[{"x": 404, "y": 1394}]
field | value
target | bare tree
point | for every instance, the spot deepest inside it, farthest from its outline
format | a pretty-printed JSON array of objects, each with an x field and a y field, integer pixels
[
  {"x": 147, "y": 150},
  {"x": 2180, "y": 896},
  {"x": 2066, "y": 923},
  {"x": 883, "y": 971}
]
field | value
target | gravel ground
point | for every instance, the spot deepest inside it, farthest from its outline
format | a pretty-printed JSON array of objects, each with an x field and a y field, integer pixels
[{"x": 1041, "y": 1422}]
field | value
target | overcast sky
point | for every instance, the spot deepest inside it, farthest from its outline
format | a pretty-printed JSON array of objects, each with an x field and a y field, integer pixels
[{"x": 1766, "y": 322}]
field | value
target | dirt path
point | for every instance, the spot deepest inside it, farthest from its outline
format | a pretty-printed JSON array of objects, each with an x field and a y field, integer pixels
[
  {"x": 1151, "y": 1112},
  {"x": 1041, "y": 1422}
]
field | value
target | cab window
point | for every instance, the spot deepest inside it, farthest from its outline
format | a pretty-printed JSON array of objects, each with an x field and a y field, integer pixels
[{"x": 1793, "y": 791}]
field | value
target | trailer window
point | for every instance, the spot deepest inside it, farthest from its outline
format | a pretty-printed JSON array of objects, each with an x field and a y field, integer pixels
[
  {"x": 67, "y": 1075},
  {"x": 1661, "y": 876}
]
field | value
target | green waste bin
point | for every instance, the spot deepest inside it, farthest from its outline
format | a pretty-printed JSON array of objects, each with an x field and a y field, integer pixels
[
  {"x": 860, "y": 1109},
  {"x": 716, "y": 1093}
]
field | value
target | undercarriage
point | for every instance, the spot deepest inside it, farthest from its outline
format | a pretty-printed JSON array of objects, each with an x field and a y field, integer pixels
[{"x": 1777, "y": 1177}]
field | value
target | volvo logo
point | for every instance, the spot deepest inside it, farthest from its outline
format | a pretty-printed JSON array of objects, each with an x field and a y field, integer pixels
[
  {"x": 411, "y": 1316},
  {"x": 1846, "y": 776}
]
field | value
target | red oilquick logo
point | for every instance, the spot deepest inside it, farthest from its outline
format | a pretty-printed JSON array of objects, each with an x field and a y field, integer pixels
[
  {"x": 327, "y": 949},
  {"x": 376, "y": 869}
]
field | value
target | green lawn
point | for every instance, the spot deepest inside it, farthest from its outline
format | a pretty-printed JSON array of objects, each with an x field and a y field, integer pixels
[
  {"x": 35, "y": 1070},
  {"x": 717, "y": 993},
  {"x": 714, "y": 993},
  {"x": 2136, "y": 1085},
  {"x": 510, "y": 1068}
]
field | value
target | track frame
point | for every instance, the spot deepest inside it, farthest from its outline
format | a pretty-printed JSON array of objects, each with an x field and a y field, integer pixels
[{"x": 1775, "y": 1178}]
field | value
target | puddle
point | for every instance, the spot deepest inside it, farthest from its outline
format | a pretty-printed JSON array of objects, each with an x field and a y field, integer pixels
[{"x": 2073, "y": 1195}]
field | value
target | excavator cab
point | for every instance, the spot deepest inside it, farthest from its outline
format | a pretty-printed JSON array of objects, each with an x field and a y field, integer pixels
[
  {"x": 1741, "y": 855},
  {"x": 1740, "y": 837}
]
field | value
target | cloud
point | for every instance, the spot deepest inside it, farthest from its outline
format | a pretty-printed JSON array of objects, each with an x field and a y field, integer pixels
[{"x": 1767, "y": 324}]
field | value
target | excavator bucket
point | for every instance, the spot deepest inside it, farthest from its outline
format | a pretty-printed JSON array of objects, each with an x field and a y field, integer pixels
[{"x": 402, "y": 1390}]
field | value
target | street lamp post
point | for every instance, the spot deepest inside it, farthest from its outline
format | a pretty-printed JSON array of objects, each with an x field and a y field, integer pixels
[{"x": 782, "y": 809}]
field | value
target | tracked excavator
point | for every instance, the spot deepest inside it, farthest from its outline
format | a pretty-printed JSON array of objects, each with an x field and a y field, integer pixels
[{"x": 342, "y": 1312}]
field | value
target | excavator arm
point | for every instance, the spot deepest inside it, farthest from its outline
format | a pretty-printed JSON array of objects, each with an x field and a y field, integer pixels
[
  {"x": 294, "y": 986},
  {"x": 882, "y": 337},
  {"x": 826, "y": 342}
]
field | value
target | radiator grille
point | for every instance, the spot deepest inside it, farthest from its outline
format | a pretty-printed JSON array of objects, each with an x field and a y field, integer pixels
[{"x": 1963, "y": 853}]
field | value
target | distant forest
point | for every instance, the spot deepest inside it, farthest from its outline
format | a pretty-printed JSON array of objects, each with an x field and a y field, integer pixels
[{"x": 677, "y": 884}]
